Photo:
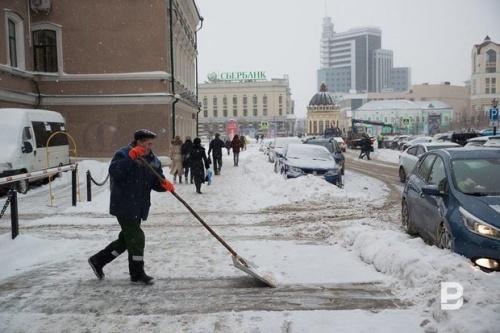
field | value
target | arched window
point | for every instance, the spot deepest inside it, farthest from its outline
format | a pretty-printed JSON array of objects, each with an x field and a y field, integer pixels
[
  {"x": 15, "y": 40},
  {"x": 491, "y": 61}
]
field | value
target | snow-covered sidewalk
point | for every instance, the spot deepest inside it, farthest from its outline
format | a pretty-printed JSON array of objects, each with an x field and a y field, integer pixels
[{"x": 340, "y": 265}]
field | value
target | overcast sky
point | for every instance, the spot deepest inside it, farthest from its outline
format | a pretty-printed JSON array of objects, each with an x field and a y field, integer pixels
[{"x": 433, "y": 37}]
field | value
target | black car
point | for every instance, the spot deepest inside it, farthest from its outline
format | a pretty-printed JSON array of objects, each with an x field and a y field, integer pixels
[{"x": 333, "y": 147}]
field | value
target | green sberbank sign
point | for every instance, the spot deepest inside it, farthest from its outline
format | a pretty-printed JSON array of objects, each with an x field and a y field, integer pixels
[{"x": 237, "y": 76}]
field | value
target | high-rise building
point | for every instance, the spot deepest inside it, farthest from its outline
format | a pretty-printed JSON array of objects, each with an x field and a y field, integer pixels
[
  {"x": 383, "y": 69},
  {"x": 347, "y": 58},
  {"x": 353, "y": 61}
]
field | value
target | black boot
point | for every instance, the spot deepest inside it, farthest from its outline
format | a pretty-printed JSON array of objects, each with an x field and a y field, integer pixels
[
  {"x": 137, "y": 274},
  {"x": 100, "y": 259}
]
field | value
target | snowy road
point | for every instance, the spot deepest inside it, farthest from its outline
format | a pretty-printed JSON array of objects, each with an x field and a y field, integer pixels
[{"x": 324, "y": 245}]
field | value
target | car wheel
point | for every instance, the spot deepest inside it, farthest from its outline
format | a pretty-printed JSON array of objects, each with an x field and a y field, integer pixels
[
  {"x": 275, "y": 167},
  {"x": 445, "y": 238},
  {"x": 402, "y": 175},
  {"x": 22, "y": 186},
  {"x": 405, "y": 219}
]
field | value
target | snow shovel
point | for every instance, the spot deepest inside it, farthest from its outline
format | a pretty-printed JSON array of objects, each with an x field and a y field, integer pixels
[{"x": 238, "y": 262}]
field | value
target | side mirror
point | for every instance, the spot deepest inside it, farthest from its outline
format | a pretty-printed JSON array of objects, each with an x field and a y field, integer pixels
[
  {"x": 432, "y": 190},
  {"x": 27, "y": 147}
]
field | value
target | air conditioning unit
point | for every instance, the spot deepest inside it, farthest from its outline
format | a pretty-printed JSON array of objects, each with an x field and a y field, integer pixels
[{"x": 41, "y": 6}]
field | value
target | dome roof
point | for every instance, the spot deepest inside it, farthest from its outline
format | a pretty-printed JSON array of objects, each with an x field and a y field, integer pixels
[{"x": 322, "y": 97}]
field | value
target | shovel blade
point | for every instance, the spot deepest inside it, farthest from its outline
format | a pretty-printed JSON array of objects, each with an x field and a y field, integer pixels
[{"x": 253, "y": 270}]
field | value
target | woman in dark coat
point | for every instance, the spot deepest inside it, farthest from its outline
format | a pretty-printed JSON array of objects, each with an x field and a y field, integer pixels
[
  {"x": 236, "y": 145},
  {"x": 186, "y": 150},
  {"x": 199, "y": 163}
]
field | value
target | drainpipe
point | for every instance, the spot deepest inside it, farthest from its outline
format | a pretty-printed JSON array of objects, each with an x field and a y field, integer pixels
[
  {"x": 172, "y": 67},
  {"x": 197, "y": 101},
  {"x": 38, "y": 95}
]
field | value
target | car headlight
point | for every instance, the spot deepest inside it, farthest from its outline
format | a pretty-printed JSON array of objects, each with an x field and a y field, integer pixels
[{"x": 478, "y": 226}]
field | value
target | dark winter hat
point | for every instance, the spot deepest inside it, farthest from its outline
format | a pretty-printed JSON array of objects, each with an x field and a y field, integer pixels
[
  {"x": 217, "y": 135},
  {"x": 144, "y": 134},
  {"x": 197, "y": 141}
]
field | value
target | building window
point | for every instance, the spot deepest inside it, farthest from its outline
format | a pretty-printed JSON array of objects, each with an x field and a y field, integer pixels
[
  {"x": 280, "y": 111},
  {"x": 45, "y": 51},
  {"x": 491, "y": 61},
  {"x": 15, "y": 40},
  {"x": 321, "y": 126},
  {"x": 235, "y": 106},
  {"x": 214, "y": 101},
  {"x": 224, "y": 106},
  {"x": 315, "y": 127},
  {"x": 12, "y": 43},
  {"x": 245, "y": 106},
  {"x": 205, "y": 107}
]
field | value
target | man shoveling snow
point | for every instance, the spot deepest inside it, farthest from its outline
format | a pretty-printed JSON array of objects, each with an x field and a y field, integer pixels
[{"x": 131, "y": 186}]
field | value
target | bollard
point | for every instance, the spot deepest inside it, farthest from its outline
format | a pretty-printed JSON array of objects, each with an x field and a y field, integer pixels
[
  {"x": 73, "y": 186},
  {"x": 89, "y": 186},
  {"x": 14, "y": 217}
]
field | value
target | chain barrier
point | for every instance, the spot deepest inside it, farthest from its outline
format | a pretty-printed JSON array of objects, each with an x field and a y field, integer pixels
[
  {"x": 97, "y": 183},
  {"x": 7, "y": 202}
]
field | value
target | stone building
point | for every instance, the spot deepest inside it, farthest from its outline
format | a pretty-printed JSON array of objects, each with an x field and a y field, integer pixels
[{"x": 322, "y": 113}]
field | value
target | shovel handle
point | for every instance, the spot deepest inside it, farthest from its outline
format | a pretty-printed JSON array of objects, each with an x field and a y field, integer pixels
[{"x": 178, "y": 197}]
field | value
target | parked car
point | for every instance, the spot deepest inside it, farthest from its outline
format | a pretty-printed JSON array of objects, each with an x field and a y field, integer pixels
[
  {"x": 341, "y": 142},
  {"x": 494, "y": 141},
  {"x": 419, "y": 139},
  {"x": 303, "y": 159},
  {"x": 452, "y": 200},
  {"x": 278, "y": 145},
  {"x": 403, "y": 141},
  {"x": 24, "y": 134},
  {"x": 334, "y": 149},
  {"x": 264, "y": 145},
  {"x": 477, "y": 142},
  {"x": 409, "y": 157},
  {"x": 397, "y": 139}
]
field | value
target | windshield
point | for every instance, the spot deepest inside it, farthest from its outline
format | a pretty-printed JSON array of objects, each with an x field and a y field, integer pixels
[
  {"x": 313, "y": 152},
  {"x": 477, "y": 176},
  {"x": 9, "y": 134},
  {"x": 280, "y": 143}
]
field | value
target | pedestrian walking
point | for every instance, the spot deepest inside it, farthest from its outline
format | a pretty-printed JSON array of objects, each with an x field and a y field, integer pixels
[
  {"x": 176, "y": 157},
  {"x": 215, "y": 148},
  {"x": 366, "y": 147},
  {"x": 228, "y": 146},
  {"x": 186, "y": 149},
  {"x": 131, "y": 185},
  {"x": 236, "y": 145},
  {"x": 199, "y": 163},
  {"x": 243, "y": 142}
]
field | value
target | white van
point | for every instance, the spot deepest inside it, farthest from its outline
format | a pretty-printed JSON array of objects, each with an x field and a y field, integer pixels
[{"x": 23, "y": 141}]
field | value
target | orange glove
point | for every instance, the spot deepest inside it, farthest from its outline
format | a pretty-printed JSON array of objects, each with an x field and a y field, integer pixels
[
  {"x": 167, "y": 186},
  {"x": 136, "y": 152}
]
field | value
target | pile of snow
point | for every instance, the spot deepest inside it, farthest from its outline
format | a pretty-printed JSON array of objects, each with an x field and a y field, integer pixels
[
  {"x": 386, "y": 155},
  {"x": 421, "y": 268}
]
